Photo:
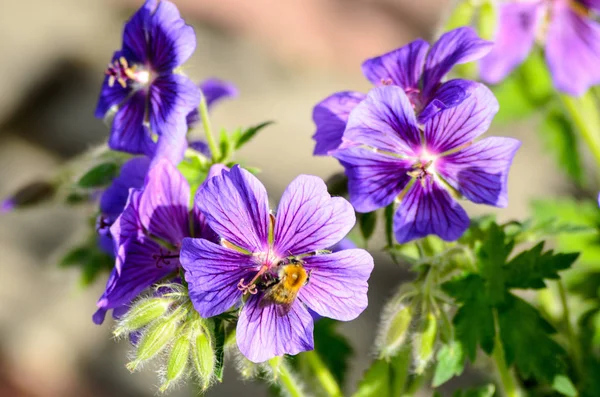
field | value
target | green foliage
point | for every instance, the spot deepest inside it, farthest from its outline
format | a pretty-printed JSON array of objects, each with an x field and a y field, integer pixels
[
  {"x": 90, "y": 259},
  {"x": 99, "y": 176},
  {"x": 333, "y": 348},
  {"x": 230, "y": 142},
  {"x": 386, "y": 378},
  {"x": 450, "y": 363},
  {"x": 367, "y": 223}
]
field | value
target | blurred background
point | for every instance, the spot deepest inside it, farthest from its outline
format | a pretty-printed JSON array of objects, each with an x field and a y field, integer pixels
[{"x": 284, "y": 56}]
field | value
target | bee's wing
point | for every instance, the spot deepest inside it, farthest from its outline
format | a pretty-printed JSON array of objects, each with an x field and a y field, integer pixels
[{"x": 274, "y": 297}]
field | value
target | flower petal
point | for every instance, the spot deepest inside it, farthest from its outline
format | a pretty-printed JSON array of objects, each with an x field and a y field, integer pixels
[
  {"x": 172, "y": 42},
  {"x": 236, "y": 207},
  {"x": 135, "y": 33},
  {"x": 128, "y": 133},
  {"x": 385, "y": 120},
  {"x": 309, "y": 219},
  {"x": 573, "y": 50},
  {"x": 263, "y": 333},
  {"x": 163, "y": 208},
  {"x": 517, "y": 26},
  {"x": 463, "y": 123},
  {"x": 457, "y": 46},
  {"x": 338, "y": 283},
  {"x": 111, "y": 96},
  {"x": 448, "y": 95},
  {"x": 128, "y": 224},
  {"x": 132, "y": 175},
  {"x": 172, "y": 98},
  {"x": 331, "y": 115},
  {"x": 139, "y": 265},
  {"x": 374, "y": 179},
  {"x": 213, "y": 273},
  {"x": 428, "y": 209},
  {"x": 403, "y": 66},
  {"x": 591, "y": 4},
  {"x": 214, "y": 90},
  {"x": 480, "y": 172},
  {"x": 172, "y": 144}
]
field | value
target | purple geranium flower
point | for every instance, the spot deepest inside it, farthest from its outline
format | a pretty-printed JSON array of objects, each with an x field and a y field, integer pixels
[
  {"x": 388, "y": 158},
  {"x": 418, "y": 69},
  {"x": 567, "y": 29},
  {"x": 142, "y": 86},
  {"x": 274, "y": 262},
  {"x": 148, "y": 235}
]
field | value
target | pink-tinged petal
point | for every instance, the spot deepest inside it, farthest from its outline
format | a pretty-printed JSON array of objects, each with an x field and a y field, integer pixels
[
  {"x": 263, "y": 333},
  {"x": 428, "y": 209},
  {"x": 337, "y": 287},
  {"x": 111, "y": 96},
  {"x": 140, "y": 264},
  {"x": 517, "y": 26},
  {"x": 402, "y": 67},
  {"x": 385, "y": 120},
  {"x": 128, "y": 133},
  {"x": 480, "y": 172},
  {"x": 448, "y": 95},
  {"x": 172, "y": 97},
  {"x": 213, "y": 273},
  {"x": 573, "y": 50},
  {"x": 163, "y": 208},
  {"x": 374, "y": 179},
  {"x": 309, "y": 219},
  {"x": 463, "y": 123},
  {"x": 330, "y": 116},
  {"x": 172, "y": 42},
  {"x": 236, "y": 207},
  {"x": 457, "y": 46},
  {"x": 591, "y": 4},
  {"x": 135, "y": 33}
]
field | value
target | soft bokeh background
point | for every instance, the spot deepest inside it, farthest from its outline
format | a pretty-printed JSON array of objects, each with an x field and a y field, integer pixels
[{"x": 283, "y": 55}]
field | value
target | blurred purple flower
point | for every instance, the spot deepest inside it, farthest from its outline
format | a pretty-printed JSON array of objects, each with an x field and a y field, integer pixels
[
  {"x": 418, "y": 69},
  {"x": 148, "y": 234},
  {"x": 388, "y": 158},
  {"x": 141, "y": 84},
  {"x": 570, "y": 35},
  {"x": 274, "y": 262},
  {"x": 214, "y": 91}
]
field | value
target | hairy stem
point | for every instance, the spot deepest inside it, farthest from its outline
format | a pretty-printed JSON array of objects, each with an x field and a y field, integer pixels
[
  {"x": 212, "y": 144},
  {"x": 509, "y": 383},
  {"x": 285, "y": 379},
  {"x": 323, "y": 374}
]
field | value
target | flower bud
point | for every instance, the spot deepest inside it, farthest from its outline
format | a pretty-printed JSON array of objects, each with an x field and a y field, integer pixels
[
  {"x": 396, "y": 320},
  {"x": 156, "y": 338},
  {"x": 31, "y": 194},
  {"x": 425, "y": 342},
  {"x": 141, "y": 314},
  {"x": 203, "y": 357},
  {"x": 178, "y": 360}
]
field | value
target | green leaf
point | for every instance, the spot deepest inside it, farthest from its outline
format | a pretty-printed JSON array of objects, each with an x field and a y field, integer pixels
[
  {"x": 333, "y": 348},
  {"x": 474, "y": 320},
  {"x": 367, "y": 223},
  {"x": 483, "y": 391},
  {"x": 559, "y": 139},
  {"x": 194, "y": 170},
  {"x": 376, "y": 381},
  {"x": 227, "y": 145},
  {"x": 527, "y": 343},
  {"x": 249, "y": 133},
  {"x": 492, "y": 257},
  {"x": 90, "y": 259},
  {"x": 563, "y": 385},
  {"x": 450, "y": 363},
  {"x": 531, "y": 267},
  {"x": 337, "y": 184},
  {"x": 219, "y": 349},
  {"x": 100, "y": 175},
  {"x": 389, "y": 224}
]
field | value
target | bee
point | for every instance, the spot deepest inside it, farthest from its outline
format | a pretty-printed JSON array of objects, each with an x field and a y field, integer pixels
[{"x": 291, "y": 277}]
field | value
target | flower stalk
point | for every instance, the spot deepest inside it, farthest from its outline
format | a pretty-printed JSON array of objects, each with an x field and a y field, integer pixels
[
  {"x": 284, "y": 378},
  {"x": 323, "y": 374},
  {"x": 212, "y": 143},
  {"x": 507, "y": 378}
]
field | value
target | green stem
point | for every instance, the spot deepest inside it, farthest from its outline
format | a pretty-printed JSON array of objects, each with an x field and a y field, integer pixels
[
  {"x": 575, "y": 351},
  {"x": 212, "y": 144},
  {"x": 285, "y": 379},
  {"x": 584, "y": 113},
  {"x": 507, "y": 378},
  {"x": 323, "y": 374}
]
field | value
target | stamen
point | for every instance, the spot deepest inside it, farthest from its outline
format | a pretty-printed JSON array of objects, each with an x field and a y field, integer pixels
[
  {"x": 251, "y": 286},
  {"x": 387, "y": 81},
  {"x": 163, "y": 258},
  {"x": 121, "y": 72}
]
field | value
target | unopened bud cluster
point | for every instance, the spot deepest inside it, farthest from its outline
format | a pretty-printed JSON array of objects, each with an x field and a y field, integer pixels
[{"x": 168, "y": 328}]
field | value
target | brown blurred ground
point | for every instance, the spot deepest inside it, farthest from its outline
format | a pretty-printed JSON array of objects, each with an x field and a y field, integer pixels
[{"x": 283, "y": 55}]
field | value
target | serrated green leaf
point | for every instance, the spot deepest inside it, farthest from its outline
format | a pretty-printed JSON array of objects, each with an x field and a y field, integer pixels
[
  {"x": 492, "y": 257},
  {"x": 559, "y": 139},
  {"x": 450, "y": 363},
  {"x": 249, "y": 133},
  {"x": 100, "y": 175},
  {"x": 367, "y": 223},
  {"x": 333, "y": 348}
]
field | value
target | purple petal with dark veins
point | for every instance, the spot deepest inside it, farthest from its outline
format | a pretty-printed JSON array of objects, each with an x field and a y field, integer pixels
[
  {"x": 374, "y": 179},
  {"x": 236, "y": 207},
  {"x": 132, "y": 175},
  {"x": 402, "y": 67},
  {"x": 309, "y": 219},
  {"x": 515, "y": 36},
  {"x": 385, "y": 120},
  {"x": 128, "y": 133},
  {"x": 463, "y": 123},
  {"x": 338, "y": 283},
  {"x": 113, "y": 95},
  {"x": 330, "y": 116},
  {"x": 135, "y": 33},
  {"x": 428, "y": 209},
  {"x": 480, "y": 172},
  {"x": 448, "y": 95},
  {"x": 213, "y": 273},
  {"x": 263, "y": 333}
]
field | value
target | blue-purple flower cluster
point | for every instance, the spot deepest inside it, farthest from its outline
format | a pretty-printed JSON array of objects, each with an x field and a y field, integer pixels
[{"x": 411, "y": 141}]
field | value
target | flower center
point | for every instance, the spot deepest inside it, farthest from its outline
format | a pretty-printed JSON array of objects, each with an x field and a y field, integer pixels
[
  {"x": 423, "y": 167},
  {"x": 164, "y": 258},
  {"x": 119, "y": 71}
]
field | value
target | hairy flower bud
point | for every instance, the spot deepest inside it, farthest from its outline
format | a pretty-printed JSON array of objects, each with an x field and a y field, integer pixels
[
  {"x": 178, "y": 360},
  {"x": 425, "y": 342},
  {"x": 395, "y": 323},
  {"x": 203, "y": 357},
  {"x": 141, "y": 314}
]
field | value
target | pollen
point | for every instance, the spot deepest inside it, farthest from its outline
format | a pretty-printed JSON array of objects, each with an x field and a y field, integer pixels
[{"x": 121, "y": 72}]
